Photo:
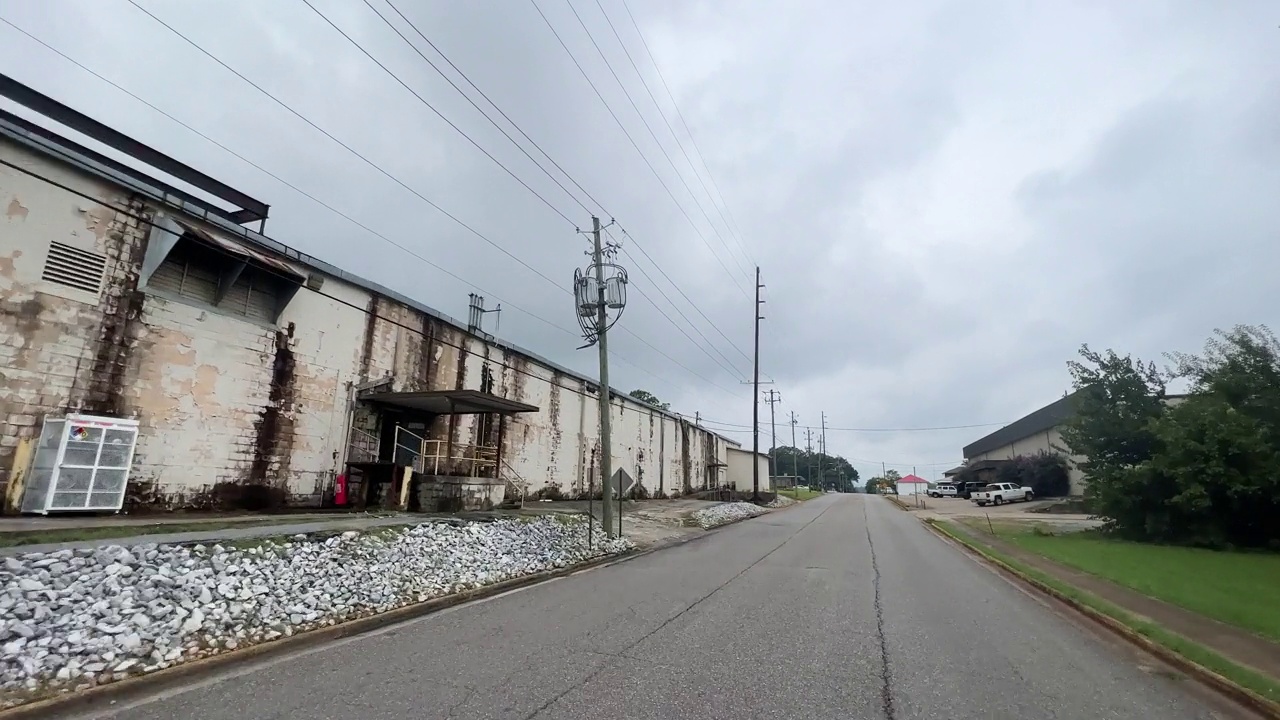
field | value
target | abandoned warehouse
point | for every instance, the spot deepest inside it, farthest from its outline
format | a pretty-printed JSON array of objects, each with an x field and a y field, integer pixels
[{"x": 158, "y": 353}]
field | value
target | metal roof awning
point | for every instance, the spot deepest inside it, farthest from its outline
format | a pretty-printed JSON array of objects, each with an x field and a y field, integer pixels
[
  {"x": 242, "y": 251},
  {"x": 450, "y": 402}
]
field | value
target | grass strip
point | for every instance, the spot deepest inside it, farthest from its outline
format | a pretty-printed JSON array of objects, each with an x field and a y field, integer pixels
[
  {"x": 1259, "y": 684},
  {"x": 799, "y": 493}
]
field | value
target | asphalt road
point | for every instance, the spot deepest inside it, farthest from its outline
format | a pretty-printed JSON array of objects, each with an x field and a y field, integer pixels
[{"x": 843, "y": 607}]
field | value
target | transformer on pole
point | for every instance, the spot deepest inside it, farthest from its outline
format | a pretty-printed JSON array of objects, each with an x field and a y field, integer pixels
[{"x": 599, "y": 288}]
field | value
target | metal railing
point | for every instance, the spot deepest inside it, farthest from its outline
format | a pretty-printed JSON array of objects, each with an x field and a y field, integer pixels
[
  {"x": 520, "y": 483},
  {"x": 439, "y": 457},
  {"x": 362, "y": 446}
]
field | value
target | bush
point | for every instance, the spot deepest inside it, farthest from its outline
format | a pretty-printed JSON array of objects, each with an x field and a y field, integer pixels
[
  {"x": 1045, "y": 473},
  {"x": 550, "y": 492},
  {"x": 1205, "y": 471}
]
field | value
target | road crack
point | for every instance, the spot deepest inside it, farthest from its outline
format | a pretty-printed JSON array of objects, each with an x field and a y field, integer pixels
[
  {"x": 886, "y": 675},
  {"x": 622, "y": 653}
]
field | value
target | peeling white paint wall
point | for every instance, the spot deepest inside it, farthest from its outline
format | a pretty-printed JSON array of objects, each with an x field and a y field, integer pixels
[{"x": 200, "y": 380}]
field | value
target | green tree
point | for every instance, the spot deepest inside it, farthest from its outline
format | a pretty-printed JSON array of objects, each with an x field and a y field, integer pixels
[
  {"x": 837, "y": 472},
  {"x": 888, "y": 481},
  {"x": 1203, "y": 471},
  {"x": 1116, "y": 398},
  {"x": 645, "y": 396}
]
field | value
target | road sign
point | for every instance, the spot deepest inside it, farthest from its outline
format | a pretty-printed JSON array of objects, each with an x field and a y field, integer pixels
[{"x": 622, "y": 482}]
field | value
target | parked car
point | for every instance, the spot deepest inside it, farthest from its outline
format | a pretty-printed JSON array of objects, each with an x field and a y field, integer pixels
[
  {"x": 967, "y": 489},
  {"x": 943, "y": 490},
  {"x": 1002, "y": 493}
]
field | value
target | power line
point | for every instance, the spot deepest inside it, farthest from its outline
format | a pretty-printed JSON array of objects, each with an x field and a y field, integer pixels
[
  {"x": 672, "y": 130},
  {"x": 661, "y": 148},
  {"x": 713, "y": 325},
  {"x": 449, "y": 122},
  {"x": 697, "y": 151},
  {"x": 309, "y": 196},
  {"x": 377, "y": 167},
  {"x": 643, "y": 157},
  {"x": 846, "y": 429},
  {"x": 733, "y": 370},
  {"x": 345, "y": 146},
  {"x": 271, "y": 271},
  {"x": 279, "y": 179},
  {"x": 495, "y": 106},
  {"x": 526, "y": 153}
]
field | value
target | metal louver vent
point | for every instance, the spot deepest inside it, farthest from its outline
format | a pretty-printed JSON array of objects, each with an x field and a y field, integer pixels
[{"x": 74, "y": 268}]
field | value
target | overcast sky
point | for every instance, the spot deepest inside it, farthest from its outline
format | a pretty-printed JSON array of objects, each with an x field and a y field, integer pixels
[{"x": 945, "y": 198}]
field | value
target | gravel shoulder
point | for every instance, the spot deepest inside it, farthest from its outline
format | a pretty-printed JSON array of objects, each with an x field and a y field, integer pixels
[{"x": 79, "y": 617}]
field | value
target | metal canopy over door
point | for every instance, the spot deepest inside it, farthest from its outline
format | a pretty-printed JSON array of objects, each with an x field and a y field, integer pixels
[{"x": 81, "y": 464}]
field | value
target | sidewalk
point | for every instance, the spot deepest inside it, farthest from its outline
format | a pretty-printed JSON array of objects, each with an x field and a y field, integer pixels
[
  {"x": 38, "y": 523},
  {"x": 645, "y": 522},
  {"x": 1240, "y": 646},
  {"x": 287, "y": 526}
]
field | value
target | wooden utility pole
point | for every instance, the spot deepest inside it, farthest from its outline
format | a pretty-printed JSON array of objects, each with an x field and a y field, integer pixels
[
  {"x": 773, "y": 397},
  {"x": 755, "y": 405},
  {"x": 808, "y": 449},
  {"x": 602, "y": 325},
  {"x": 795, "y": 468},
  {"x": 822, "y": 450}
]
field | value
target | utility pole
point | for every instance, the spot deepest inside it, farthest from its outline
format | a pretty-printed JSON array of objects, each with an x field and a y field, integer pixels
[
  {"x": 794, "y": 450},
  {"x": 755, "y": 405},
  {"x": 822, "y": 444},
  {"x": 808, "y": 449},
  {"x": 594, "y": 294},
  {"x": 773, "y": 398},
  {"x": 606, "y": 450}
]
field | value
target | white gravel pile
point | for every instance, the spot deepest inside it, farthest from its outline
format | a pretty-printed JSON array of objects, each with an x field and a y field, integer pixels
[
  {"x": 780, "y": 501},
  {"x": 728, "y": 512},
  {"x": 74, "y": 618}
]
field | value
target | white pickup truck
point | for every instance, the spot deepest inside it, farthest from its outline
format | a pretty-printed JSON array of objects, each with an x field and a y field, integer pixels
[{"x": 1002, "y": 493}]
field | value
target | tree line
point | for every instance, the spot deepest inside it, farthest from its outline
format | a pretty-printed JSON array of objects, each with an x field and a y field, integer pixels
[
  {"x": 816, "y": 469},
  {"x": 1201, "y": 468}
]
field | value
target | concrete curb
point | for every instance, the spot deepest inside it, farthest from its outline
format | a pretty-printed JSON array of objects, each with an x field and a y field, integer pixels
[
  {"x": 151, "y": 683},
  {"x": 901, "y": 505},
  {"x": 1227, "y": 687}
]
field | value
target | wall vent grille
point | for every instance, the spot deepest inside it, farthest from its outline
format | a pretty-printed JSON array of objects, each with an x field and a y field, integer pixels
[{"x": 74, "y": 268}]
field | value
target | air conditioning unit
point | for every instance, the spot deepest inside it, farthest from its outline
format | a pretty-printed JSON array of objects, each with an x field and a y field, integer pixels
[{"x": 81, "y": 464}]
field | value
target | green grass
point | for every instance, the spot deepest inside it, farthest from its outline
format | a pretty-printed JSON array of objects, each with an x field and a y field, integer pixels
[
  {"x": 799, "y": 493},
  {"x": 1237, "y": 588},
  {"x": 1262, "y": 685}
]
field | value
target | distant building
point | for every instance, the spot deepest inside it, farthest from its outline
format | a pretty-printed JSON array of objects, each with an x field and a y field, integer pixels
[
  {"x": 788, "y": 481},
  {"x": 1040, "y": 431},
  {"x": 1035, "y": 433},
  {"x": 913, "y": 485},
  {"x": 740, "y": 475}
]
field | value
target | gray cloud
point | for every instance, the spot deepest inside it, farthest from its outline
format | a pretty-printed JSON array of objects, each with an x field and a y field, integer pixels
[{"x": 946, "y": 198}]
